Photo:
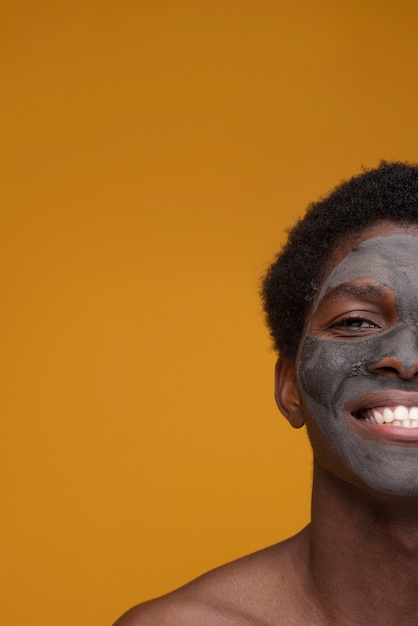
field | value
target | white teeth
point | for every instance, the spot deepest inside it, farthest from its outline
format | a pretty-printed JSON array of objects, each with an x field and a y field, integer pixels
[
  {"x": 388, "y": 415},
  {"x": 401, "y": 413},
  {"x": 379, "y": 417},
  {"x": 400, "y": 416}
]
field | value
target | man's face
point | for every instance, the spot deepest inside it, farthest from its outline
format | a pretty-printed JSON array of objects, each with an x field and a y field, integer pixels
[{"x": 358, "y": 363}]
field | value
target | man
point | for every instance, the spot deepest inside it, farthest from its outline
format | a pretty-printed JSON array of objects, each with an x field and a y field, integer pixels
[{"x": 341, "y": 301}]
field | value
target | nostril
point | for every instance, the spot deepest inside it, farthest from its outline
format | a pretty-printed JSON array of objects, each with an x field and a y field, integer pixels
[
  {"x": 391, "y": 367},
  {"x": 387, "y": 371}
]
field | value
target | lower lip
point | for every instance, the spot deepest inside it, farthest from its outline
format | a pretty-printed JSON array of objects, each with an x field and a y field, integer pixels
[{"x": 385, "y": 432}]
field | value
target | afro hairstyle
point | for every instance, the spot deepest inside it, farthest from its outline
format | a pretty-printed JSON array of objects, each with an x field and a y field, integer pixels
[{"x": 388, "y": 192}]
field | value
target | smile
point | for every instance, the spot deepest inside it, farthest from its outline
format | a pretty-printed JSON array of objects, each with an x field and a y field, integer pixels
[
  {"x": 389, "y": 415},
  {"x": 406, "y": 417}
]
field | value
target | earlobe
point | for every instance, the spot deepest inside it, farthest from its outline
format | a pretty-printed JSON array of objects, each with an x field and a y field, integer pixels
[{"x": 287, "y": 393}]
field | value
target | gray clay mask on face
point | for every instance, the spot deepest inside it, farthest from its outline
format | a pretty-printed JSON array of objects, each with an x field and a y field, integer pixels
[{"x": 336, "y": 373}]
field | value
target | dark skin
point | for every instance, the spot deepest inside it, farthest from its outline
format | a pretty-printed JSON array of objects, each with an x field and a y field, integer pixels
[{"x": 356, "y": 563}]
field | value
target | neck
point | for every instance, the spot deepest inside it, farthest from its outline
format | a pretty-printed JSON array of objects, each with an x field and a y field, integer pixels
[{"x": 361, "y": 544}]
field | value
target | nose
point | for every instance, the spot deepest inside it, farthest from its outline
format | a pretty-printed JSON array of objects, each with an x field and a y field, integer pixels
[
  {"x": 399, "y": 356},
  {"x": 391, "y": 367}
]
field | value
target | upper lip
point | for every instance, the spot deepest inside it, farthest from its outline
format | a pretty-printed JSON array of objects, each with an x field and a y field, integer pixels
[{"x": 382, "y": 399}]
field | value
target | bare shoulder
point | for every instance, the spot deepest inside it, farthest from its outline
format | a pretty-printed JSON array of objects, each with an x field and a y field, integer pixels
[{"x": 254, "y": 590}]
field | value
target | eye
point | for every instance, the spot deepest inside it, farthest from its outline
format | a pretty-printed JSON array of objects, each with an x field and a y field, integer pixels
[
  {"x": 355, "y": 323},
  {"x": 353, "y": 327},
  {"x": 355, "y": 310}
]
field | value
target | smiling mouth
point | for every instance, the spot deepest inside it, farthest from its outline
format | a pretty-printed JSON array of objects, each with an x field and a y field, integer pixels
[
  {"x": 389, "y": 416},
  {"x": 397, "y": 415}
]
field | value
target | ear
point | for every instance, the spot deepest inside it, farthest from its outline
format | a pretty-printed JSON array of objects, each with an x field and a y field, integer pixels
[{"x": 287, "y": 393}]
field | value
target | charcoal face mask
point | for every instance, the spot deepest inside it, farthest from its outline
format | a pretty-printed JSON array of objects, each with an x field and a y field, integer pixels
[{"x": 333, "y": 373}]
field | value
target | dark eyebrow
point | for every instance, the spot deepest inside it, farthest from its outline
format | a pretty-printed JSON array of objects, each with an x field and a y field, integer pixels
[{"x": 358, "y": 291}]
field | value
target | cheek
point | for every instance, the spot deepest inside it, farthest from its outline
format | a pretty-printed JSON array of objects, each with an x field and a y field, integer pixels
[{"x": 325, "y": 365}]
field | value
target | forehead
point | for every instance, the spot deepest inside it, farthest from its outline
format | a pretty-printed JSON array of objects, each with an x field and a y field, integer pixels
[
  {"x": 391, "y": 260},
  {"x": 378, "y": 257}
]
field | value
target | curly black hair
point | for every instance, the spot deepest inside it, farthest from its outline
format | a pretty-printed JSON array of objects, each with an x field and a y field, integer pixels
[{"x": 388, "y": 192}]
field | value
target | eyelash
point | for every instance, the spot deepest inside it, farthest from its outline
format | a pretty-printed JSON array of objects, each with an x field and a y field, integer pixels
[{"x": 347, "y": 323}]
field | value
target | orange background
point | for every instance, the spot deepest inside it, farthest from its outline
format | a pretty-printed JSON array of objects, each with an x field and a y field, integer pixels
[{"x": 153, "y": 153}]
